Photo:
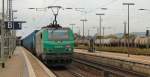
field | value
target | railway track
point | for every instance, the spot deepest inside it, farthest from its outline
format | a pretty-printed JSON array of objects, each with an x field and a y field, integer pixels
[
  {"x": 82, "y": 68},
  {"x": 85, "y": 68},
  {"x": 65, "y": 72},
  {"x": 109, "y": 70},
  {"x": 76, "y": 70}
]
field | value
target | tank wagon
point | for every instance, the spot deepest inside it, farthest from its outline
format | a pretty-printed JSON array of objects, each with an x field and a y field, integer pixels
[
  {"x": 53, "y": 46},
  {"x": 139, "y": 42}
]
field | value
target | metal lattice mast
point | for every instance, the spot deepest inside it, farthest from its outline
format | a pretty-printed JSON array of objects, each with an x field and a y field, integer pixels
[
  {"x": 2, "y": 36},
  {"x": 100, "y": 26},
  {"x": 128, "y": 4}
]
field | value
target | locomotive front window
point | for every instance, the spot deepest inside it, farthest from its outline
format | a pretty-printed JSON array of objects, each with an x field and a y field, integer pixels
[{"x": 58, "y": 35}]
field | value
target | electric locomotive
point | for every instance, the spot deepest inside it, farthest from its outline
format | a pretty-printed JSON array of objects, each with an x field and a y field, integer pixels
[{"x": 55, "y": 46}]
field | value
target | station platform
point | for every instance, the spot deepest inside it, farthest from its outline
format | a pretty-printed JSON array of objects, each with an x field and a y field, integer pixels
[
  {"x": 136, "y": 63},
  {"x": 24, "y": 64},
  {"x": 133, "y": 58}
]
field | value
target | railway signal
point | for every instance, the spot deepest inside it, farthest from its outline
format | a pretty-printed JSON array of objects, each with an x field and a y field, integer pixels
[{"x": 147, "y": 33}]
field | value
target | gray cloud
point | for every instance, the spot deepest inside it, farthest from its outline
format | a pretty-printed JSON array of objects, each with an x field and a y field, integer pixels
[{"x": 115, "y": 15}]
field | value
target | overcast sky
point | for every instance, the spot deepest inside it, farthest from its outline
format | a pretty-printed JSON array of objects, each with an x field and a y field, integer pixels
[{"x": 114, "y": 16}]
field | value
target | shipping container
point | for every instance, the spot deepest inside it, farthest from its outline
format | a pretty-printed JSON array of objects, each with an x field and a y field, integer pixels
[{"x": 29, "y": 41}]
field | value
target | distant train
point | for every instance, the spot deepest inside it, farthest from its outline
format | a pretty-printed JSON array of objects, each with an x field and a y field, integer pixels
[
  {"x": 53, "y": 46},
  {"x": 139, "y": 42}
]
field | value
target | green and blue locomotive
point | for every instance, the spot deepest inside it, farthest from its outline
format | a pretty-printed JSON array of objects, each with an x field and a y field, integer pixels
[{"x": 54, "y": 46}]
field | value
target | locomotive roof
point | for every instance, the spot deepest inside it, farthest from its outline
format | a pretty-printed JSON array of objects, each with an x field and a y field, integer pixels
[{"x": 57, "y": 28}]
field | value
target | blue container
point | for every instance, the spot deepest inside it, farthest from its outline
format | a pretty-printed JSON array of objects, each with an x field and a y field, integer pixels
[{"x": 29, "y": 41}]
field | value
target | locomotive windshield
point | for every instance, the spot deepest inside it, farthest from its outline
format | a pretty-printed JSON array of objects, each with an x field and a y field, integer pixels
[{"x": 58, "y": 35}]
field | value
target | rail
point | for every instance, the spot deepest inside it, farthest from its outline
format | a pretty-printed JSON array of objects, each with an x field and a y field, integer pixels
[
  {"x": 134, "y": 62},
  {"x": 110, "y": 69}
]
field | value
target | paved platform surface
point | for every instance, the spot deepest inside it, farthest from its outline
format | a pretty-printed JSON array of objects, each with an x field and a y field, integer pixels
[
  {"x": 132, "y": 58},
  {"x": 24, "y": 64},
  {"x": 15, "y": 67}
]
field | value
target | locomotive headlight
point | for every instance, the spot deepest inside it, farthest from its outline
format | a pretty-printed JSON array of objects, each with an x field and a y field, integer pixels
[{"x": 69, "y": 49}]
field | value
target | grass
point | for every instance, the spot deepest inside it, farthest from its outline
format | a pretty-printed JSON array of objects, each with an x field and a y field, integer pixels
[{"x": 133, "y": 51}]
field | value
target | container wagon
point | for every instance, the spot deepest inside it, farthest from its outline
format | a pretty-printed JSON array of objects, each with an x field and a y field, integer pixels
[{"x": 29, "y": 42}]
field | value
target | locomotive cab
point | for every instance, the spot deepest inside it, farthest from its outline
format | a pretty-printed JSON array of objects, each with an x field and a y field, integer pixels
[{"x": 56, "y": 45}]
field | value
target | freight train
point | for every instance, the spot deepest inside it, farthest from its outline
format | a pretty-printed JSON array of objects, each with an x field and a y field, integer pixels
[
  {"x": 54, "y": 46},
  {"x": 139, "y": 42}
]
